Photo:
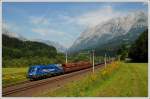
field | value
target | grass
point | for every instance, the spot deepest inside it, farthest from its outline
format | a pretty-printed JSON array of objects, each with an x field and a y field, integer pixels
[
  {"x": 118, "y": 79},
  {"x": 13, "y": 75}
]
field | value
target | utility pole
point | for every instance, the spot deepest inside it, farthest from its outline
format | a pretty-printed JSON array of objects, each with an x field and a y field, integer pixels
[
  {"x": 105, "y": 60},
  {"x": 90, "y": 57},
  {"x": 66, "y": 58},
  {"x": 93, "y": 60}
]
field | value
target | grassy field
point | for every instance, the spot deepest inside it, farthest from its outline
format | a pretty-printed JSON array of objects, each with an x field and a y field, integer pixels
[
  {"x": 118, "y": 79},
  {"x": 13, "y": 75}
]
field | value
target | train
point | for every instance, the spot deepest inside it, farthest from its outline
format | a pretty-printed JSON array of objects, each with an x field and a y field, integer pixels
[
  {"x": 44, "y": 71},
  {"x": 37, "y": 72}
]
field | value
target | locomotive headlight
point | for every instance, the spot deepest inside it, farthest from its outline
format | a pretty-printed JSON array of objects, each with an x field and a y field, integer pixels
[{"x": 30, "y": 74}]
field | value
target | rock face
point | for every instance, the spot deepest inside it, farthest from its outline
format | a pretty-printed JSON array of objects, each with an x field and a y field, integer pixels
[{"x": 112, "y": 33}]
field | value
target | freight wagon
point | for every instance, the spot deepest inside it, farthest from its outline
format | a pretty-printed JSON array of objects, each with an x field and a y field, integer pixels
[{"x": 70, "y": 67}]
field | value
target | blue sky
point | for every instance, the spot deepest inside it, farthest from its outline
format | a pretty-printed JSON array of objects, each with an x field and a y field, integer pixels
[{"x": 61, "y": 22}]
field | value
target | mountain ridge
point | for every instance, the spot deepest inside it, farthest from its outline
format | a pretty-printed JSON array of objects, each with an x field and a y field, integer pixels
[{"x": 133, "y": 23}]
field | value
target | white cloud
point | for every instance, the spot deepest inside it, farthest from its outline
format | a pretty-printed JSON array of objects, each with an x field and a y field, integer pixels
[
  {"x": 145, "y": 3},
  {"x": 93, "y": 18},
  {"x": 38, "y": 20},
  {"x": 89, "y": 19},
  {"x": 12, "y": 27},
  {"x": 7, "y": 29},
  {"x": 41, "y": 25},
  {"x": 6, "y": 26},
  {"x": 47, "y": 31}
]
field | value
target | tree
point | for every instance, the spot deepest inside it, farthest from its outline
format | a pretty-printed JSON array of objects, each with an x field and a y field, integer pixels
[
  {"x": 139, "y": 50},
  {"x": 123, "y": 51}
]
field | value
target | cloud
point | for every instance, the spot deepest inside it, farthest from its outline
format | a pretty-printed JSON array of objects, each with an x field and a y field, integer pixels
[
  {"x": 7, "y": 29},
  {"x": 12, "y": 27},
  {"x": 47, "y": 31},
  {"x": 88, "y": 19},
  {"x": 93, "y": 18},
  {"x": 6, "y": 26},
  {"x": 145, "y": 3},
  {"x": 47, "y": 27},
  {"x": 38, "y": 20}
]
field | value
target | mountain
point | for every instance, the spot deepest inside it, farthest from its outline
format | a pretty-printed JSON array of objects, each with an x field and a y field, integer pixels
[
  {"x": 58, "y": 46},
  {"x": 111, "y": 33}
]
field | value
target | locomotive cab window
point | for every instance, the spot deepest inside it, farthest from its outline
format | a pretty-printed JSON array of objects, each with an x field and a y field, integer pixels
[{"x": 32, "y": 69}]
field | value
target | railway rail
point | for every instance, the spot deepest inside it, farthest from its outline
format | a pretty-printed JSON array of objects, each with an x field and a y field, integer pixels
[{"x": 9, "y": 91}]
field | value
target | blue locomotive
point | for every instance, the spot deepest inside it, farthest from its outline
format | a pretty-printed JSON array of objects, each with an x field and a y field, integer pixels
[{"x": 44, "y": 71}]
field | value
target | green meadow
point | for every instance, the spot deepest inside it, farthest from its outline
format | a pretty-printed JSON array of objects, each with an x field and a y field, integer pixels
[
  {"x": 13, "y": 75},
  {"x": 118, "y": 79}
]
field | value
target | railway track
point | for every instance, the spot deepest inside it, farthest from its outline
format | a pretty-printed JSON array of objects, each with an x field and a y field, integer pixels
[
  {"x": 8, "y": 91},
  {"x": 22, "y": 82}
]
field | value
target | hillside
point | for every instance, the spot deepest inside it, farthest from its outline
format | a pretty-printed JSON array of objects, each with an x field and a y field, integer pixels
[{"x": 15, "y": 48}]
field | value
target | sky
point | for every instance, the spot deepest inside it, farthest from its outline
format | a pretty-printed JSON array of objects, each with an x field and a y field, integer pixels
[{"x": 61, "y": 22}]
